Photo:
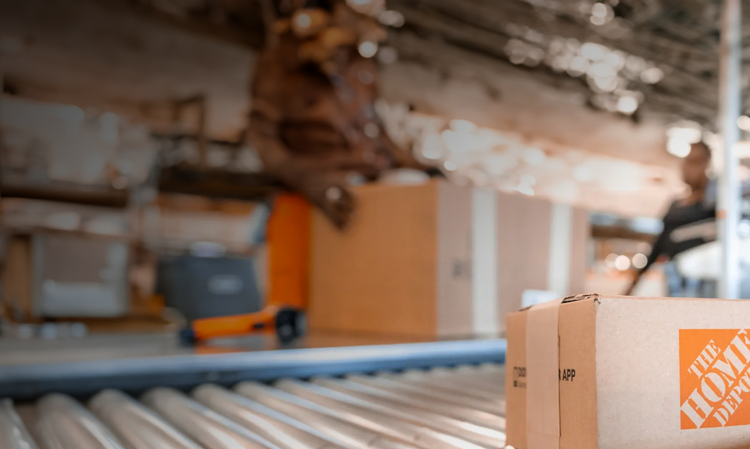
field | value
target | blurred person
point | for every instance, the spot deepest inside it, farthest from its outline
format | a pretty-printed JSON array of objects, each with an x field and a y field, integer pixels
[
  {"x": 686, "y": 220},
  {"x": 313, "y": 120}
]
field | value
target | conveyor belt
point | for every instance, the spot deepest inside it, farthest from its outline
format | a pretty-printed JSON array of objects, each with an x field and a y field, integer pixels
[
  {"x": 441, "y": 408},
  {"x": 170, "y": 365}
]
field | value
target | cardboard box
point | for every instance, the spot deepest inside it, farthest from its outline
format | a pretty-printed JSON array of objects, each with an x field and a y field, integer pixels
[
  {"x": 618, "y": 372},
  {"x": 402, "y": 267}
]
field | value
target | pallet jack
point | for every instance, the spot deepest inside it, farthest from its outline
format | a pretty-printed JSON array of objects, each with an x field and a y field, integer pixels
[{"x": 288, "y": 239}]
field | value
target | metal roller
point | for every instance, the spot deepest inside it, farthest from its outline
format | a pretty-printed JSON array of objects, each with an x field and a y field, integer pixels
[
  {"x": 13, "y": 433},
  {"x": 450, "y": 385},
  {"x": 489, "y": 403},
  {"x": 135, "y": 425},
  {"x": 286, "y": 433},
  {"x": 407, "y": 432},
  {"x": 422, "y": 404},
  {"x": 483, "y": 380},
  {"x": 443, "y": 405},
  {"x": 392, "y": 429},
  {"x": 205, "y": 426},
  {"x": 320, "y": 418},
  {"x": 491, "y": 400},
  {"x": 460, "y": 381},
  {"x": 388, "y": 381},
  {"x": 336, "y": 389},
  {"x": 66, "y": 424}
]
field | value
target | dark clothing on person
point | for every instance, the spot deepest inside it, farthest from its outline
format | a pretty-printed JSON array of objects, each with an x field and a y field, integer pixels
[{"x": 686, "y": 226}]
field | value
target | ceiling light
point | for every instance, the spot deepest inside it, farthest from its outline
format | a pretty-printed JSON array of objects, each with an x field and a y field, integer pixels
[
  {"x": 303, "y": 20},
  {"x": 392, "y": 19},
  {"x": 369, "y": 7},
  {"x": 592, "y": 52},
  {"x": 686, "y": 131},
  {"x": 534, "y": 156},
  {"x": 678, "y": 147},
  {"x": 640, "y": 261},
  {"x": 744, "y": 123},
  {"x": 652, "y": 75},
  {"x": 368, "y": 49},
  {"x": 622, "y": 263},
  {"x": 742, "y": 149},
  {"x": 578, "y": 66},
  {"x": 604, "y": 83},
  {"x": 528, "y": 180},
  {"x": 601, "y": 14},
  {"x": 459, "y": 142},
  {"x": 601, "y": 70},
  {"x": 627, "y": 105},
  {"x": 463, "y": 126},
  {"x": 616, "y": 59}
]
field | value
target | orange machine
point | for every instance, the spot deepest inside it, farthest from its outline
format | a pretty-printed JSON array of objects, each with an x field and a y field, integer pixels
[{"x": 288, "y": 237}]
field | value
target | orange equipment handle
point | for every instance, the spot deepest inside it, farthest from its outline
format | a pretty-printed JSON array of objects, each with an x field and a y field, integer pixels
[
  {"x": 235, "y": 325},
  {"x": 288, "y": 234}
]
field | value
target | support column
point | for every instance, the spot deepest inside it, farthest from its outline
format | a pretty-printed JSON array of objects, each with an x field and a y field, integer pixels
[
  {"x": 561, "y": 235},
  {"x": 485, "y": 254},
  {"x": 730, "y": 97}
]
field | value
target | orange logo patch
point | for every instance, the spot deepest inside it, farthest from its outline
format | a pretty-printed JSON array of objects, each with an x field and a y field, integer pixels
[{"x": 714, "y": 378}]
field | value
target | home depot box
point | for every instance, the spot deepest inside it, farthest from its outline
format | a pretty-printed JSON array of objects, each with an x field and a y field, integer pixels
[
  {"x": 616, "y": 372},
  {"x": 403, "y": 266}
]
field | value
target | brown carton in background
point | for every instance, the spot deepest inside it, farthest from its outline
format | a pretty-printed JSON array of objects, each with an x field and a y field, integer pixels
[
  {"x": 402, "y": 267},
  {"x": 640, "y": 373}
]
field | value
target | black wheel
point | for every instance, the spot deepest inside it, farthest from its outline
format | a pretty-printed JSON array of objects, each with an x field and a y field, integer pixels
[
  {"x": 290, "y": 325},
  {"x": 187, "y": 336}
]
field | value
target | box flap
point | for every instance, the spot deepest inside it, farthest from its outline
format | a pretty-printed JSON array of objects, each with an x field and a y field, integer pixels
[{"x": 584, "y": 297}]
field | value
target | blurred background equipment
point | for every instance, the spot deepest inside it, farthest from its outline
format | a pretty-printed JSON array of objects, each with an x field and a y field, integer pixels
[
  {"x": 286, "y": 230},
  {"x": 209, "y": 286}
]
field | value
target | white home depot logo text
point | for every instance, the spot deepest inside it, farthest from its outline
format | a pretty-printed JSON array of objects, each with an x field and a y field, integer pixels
[{"x": 714, "y": 378}]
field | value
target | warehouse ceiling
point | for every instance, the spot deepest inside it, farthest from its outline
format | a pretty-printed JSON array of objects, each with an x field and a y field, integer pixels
[
  {"x": 664, "y": 52},
  {"x": 599, "y": 77},
  {"x": 678, "y": 38}
]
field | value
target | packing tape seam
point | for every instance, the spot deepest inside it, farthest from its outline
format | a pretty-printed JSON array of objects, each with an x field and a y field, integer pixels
[{"x": 542, "y": 383}]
